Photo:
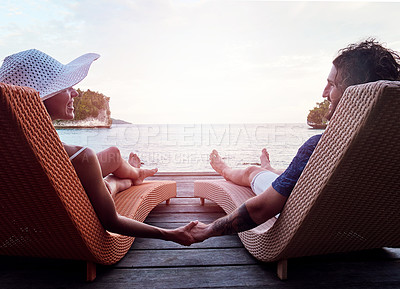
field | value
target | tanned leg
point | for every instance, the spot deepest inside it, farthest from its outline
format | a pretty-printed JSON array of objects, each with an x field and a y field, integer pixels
[
  {"x": 266, "y": 163},
  {"x": 111, "y": 162},
  {"x": 134, "y": 160},
  {"x": 242, "y": 177},
  {"x": 116, "y": 185}
]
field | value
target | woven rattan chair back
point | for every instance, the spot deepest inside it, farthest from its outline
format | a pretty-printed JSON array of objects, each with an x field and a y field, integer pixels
[
  {"x": 44, "y": 209},
  {"x": 348, "y": 196}
]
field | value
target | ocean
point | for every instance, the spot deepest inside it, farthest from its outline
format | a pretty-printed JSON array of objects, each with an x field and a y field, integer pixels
[{"x": 186, "y": 147}]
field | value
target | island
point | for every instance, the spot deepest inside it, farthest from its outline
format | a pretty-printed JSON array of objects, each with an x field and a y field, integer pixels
[
  {"x": 92, "y": 110},
  {"x": 317, "y": 116}
]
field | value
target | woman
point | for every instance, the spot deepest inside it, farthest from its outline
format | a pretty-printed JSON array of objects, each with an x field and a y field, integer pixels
[{"x": 103, "y": 174}]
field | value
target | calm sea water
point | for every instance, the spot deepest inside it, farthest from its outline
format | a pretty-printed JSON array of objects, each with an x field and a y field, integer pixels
[{"x": 186, "y": 148}]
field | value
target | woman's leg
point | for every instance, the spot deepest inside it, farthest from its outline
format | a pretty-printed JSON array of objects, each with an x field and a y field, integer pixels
[
  {"x": 111, "y": 162},
  {"x": 134, "y": 160},
  {"x": 116, "y": 185}
]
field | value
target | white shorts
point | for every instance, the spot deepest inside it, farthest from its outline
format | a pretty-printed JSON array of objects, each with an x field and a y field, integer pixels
[{"x": 262, "y": 181}]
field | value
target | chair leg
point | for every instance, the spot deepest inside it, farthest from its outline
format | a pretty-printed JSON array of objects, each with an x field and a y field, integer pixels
[
  {"x": 167, "y": 202},
  {"x": 90, "y": 271},
  {"x": 282, "y": 269},
  {"x": 202, "y": 200}
]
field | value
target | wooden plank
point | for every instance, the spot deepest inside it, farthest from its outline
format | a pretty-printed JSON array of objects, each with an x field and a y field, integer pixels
[
  {"x": 172, "y": 208},
  {"x": 308, "y": 275},
  {"x": 302, "y": 275},
  {"x": 188, "y": 201},
  {"x": 183, "y": 217},
  {"x": 220, "y": 242},
  {"x": 187, "y": 258},
  {"x": 174, "y": 277},
  {"x": 380, "y": 254},
  {"x": 191, "y": 277},
  {"x": 185, "y": 190}
]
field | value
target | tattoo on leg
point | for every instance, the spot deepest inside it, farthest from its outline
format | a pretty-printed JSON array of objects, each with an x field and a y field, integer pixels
[{"x": 238, "y": 221}]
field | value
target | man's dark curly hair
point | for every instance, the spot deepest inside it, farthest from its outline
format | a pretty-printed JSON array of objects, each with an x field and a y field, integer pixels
[{"x": 366, "y": 62}]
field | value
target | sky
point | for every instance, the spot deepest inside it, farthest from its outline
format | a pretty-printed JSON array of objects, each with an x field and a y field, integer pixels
[{"x": 200, "y": 61}]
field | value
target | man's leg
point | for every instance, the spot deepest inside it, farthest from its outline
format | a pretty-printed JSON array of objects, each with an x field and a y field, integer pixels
[
  {"x": 242, "y": 177},
  {"x": 266, "y": 163}
]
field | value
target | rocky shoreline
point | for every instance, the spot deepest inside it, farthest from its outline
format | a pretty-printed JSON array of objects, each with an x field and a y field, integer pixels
[{"x": 88, "y": 123}]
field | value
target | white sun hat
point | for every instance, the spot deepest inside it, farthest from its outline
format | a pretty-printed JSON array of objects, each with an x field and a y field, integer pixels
[{"x": 42, "y": 72}]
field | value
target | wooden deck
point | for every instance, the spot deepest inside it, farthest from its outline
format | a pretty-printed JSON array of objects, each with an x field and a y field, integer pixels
[{"x": 216, "y": 263}]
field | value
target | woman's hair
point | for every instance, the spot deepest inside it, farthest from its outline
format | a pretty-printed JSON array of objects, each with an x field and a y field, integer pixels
[{"x": 366, "y": 62}]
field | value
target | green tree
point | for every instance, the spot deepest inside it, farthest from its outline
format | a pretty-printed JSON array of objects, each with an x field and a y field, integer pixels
[
  {"x": 316, "y": 116},
  {"x": 90, "y": 104}
]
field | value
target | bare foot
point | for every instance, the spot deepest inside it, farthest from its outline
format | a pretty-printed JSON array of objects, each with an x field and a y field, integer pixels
[
  {"x": 217, "y": 163},
  {"x": 264, "y": 158},
  {"x": 134, "y": 160},
  {"x": 144, "y": 173},
  {"x": 266, "y": 163}
]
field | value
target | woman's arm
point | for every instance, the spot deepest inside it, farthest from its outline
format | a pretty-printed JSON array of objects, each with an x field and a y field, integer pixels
[{"x": 89, "y": 172}]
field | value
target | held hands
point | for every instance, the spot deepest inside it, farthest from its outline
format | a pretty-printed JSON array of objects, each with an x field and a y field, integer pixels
[
  {"x": 200, "y": 232},
  {"x": 193, "y": 232},
  {"x": 182, "y": 234}
]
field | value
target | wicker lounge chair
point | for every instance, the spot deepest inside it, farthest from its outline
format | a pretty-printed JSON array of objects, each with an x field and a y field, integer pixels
[
  {"x": 44, "y": 209},
  {"x": 347, "y": 198}
]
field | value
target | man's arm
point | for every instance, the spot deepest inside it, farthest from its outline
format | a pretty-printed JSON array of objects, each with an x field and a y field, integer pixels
[
  {"x": 259, "y": 209},
  {"x": 238, "y": 221},
  {"x": 249, "y": 215}
]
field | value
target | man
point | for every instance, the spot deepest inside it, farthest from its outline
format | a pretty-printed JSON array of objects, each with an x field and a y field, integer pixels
[{"x": 363, "y": 62}]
